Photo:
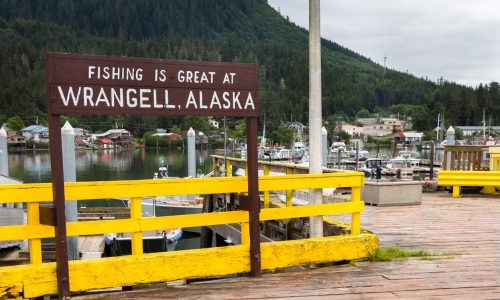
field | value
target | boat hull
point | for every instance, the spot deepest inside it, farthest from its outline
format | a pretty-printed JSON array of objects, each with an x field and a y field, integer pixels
[{"x": 150, "y": 208}]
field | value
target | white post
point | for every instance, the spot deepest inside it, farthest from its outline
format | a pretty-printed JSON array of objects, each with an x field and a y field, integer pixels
[
  {"x": 69, "y": 168},
  {"x": 315, "y": 143},
  {"x": 4, "y": 157},
  {"x": 450, "y": 136},
  {"x": 324, "y": 147},
  {"x": 4, "y": 162},
  {"x": 191, "y": 145}
]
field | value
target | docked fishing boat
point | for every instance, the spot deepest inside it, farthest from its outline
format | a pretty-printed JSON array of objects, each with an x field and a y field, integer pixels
[
  {"x": 372, "y": 165},
  {"x": 339, "y": 148},
  {"x": 406, "y": 162},
  {"x": 299, "y": 148},
  {"x": 281, "y": 154},
  {"x": 362, "y": 154},
  {"x": 274, "y": 154},
  {"x": 172, "y": 205},
  {"x": 153, "y": 241}
]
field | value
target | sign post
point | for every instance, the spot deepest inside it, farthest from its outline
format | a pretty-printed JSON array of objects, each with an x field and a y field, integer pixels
[{"x": 90, "y": 85}]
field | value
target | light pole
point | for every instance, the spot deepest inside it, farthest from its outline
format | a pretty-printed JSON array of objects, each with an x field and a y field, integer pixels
[{"x": 315, "y": 116}]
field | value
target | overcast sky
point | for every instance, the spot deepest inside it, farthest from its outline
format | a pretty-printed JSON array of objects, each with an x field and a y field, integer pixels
[{"x": 456, "y": 39}]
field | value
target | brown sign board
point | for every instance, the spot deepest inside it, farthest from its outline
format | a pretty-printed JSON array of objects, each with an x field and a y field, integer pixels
[{"x": 83, "y": 84}]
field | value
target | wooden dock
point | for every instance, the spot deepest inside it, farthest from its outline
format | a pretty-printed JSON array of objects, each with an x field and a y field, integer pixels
[{"x": 465, "y": 232}]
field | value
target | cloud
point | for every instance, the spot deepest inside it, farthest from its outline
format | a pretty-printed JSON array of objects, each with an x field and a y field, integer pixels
[{"x": 458, "y": 40}]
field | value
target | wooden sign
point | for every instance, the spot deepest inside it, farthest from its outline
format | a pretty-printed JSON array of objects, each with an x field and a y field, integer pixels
[{"x": 82, "y": 84}]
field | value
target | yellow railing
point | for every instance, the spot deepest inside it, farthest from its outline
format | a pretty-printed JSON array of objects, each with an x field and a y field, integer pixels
[
  {"x": 457, "y": 179},
  {"x": 39, "y": 278}
]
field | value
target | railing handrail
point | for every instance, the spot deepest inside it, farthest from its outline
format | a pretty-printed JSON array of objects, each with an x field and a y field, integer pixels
[
  {"x": 468, "y": 178},
  {"x": 278, "y": 164},
  {"x": 42, "y": 192},
  {"x": 457, "y": 179}
]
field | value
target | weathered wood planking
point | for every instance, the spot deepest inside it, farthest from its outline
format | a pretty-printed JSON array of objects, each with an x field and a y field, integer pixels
[{"x": 466, "y": 231}]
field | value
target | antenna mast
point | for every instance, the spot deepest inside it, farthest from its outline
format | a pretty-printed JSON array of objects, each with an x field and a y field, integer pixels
[{"x": 438, "y": 128}]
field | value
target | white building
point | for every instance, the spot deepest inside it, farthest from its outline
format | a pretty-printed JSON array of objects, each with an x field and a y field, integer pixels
[
  {"x": 112, "y": 134},
  {"x": 378, "y": 130},
  {"x": 36, "y": 133},
  {"x": 412, "y": 136},
  {"x": 353, "y": 130}
]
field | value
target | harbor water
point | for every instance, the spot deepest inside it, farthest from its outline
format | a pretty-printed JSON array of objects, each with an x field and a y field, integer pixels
[{"x": 112, "y": 164}]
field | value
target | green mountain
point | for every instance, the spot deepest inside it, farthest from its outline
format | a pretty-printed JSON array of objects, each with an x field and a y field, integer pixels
[{"x": 217, "y": 30}]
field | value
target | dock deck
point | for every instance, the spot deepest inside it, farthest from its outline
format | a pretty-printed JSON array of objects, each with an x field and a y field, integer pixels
[{"x": 465, "y": 232}]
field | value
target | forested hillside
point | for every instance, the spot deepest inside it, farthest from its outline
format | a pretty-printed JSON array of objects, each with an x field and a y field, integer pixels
[{"x": 216, "y": 30}]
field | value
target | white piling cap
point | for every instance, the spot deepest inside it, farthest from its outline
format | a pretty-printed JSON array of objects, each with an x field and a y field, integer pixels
[
  {"x": 191, "y": 132},
  {"x": 3, "y": 132},
  {"x": 450, "y": 130},
  {"x": 67, "y": 129},
  {"x": 323, "y": 131}
]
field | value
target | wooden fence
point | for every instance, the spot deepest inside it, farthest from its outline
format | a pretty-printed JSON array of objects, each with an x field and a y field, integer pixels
[{"x": 39, "y": 278}]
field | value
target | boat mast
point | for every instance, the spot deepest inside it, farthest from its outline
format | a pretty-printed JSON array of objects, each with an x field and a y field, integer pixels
[
  {"x": 484, "y": 124},
  {"x": 263, "y": 139},
  {"x": 437, "y": 129}
]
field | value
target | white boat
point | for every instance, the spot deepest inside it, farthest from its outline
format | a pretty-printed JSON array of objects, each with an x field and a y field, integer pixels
[
  {"x": 302, "y": 197},
  {"x": 362, "y": 154},
  {"x": 411, "y": 157},
  {"x": 158, "y": 241},
  {"x": 407, "y": 162},
  {"x": 172, "y": 205},
  {"x": 441, "y": 145},
  {"x": 298, "y": 148},
  {"x": 339, "y": 147},
  {"x": 370, "y": 166},
  {"x": 281, "y": 154}
]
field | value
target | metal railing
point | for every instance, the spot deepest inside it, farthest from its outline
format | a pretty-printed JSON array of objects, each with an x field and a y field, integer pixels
[{"x": 458, "y": 179}]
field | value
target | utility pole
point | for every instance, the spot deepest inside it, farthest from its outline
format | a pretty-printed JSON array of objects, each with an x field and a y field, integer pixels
[{"x": 315, "y": 115}]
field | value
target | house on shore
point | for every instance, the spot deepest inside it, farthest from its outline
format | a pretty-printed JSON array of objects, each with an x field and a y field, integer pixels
[
  {"x": 15, "y": 141},
  {"x": 36, "y": 133},
  {"x": 118, "y": 137}
]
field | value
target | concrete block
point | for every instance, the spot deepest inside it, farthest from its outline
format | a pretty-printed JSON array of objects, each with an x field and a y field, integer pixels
[{"x": 392, "y": 193}]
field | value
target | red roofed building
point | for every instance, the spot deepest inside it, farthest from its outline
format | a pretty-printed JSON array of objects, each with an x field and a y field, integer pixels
[{"x": 106, "y": 143}]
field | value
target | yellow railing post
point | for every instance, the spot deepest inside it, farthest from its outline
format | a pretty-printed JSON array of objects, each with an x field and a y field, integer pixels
[
  {"x": 216, "y": 166},
  {"x": 136, "y": 214},
  {"x": 245, "y": 234},
  {"x": 456, "y": 191},
  {"x": 289, "y": 193},
  {"x": 229, "y": 168},
  {"x": 356, "y": 216},
  {"x": 35, "y": 245},
  {"x": 266, "y": 193}
]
